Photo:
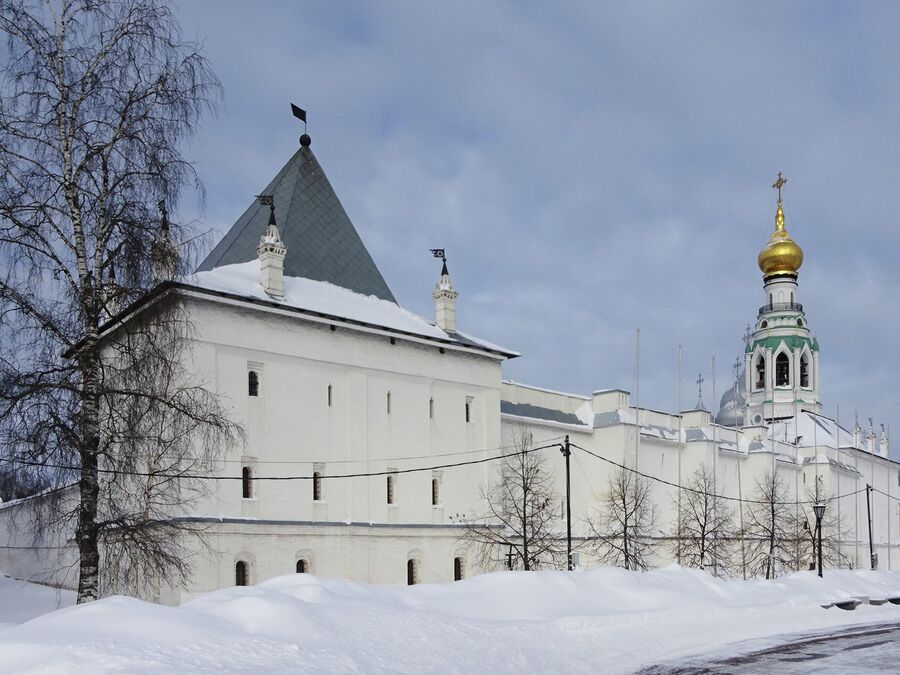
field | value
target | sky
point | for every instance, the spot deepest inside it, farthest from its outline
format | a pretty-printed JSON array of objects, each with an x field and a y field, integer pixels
[{"x": 591, "y": 169}]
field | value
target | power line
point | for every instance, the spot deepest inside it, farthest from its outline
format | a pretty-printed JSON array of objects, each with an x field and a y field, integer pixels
[
  {"x": 710, "y": 494},
  {"x": 377, "y": 459},
  {"x": 370, "y": 474}
]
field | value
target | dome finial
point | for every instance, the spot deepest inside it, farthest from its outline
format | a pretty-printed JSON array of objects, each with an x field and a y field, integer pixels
[{"x": 781, "y": 255}]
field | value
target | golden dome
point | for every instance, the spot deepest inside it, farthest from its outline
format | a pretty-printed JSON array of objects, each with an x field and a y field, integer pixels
[{"x": 781, "y": 255}]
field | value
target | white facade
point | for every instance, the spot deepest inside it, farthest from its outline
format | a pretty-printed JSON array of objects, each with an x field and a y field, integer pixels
[{"x": 328, "y": 382}]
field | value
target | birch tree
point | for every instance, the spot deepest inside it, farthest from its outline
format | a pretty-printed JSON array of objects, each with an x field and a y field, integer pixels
[
  {"x": 770, "y": 528},
  {"x": 97, "y": 102},
  {"x": 622, "y": 526},
  {"x": 704, "y": 527},
  {"x": 518, "y": 526}
]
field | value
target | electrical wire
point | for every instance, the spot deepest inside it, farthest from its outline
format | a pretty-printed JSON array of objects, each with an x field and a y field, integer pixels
[
  {"x": 377, "y": 459},
  {"x": 710, "y": 494},
  {"x": 368, "y": 474}
]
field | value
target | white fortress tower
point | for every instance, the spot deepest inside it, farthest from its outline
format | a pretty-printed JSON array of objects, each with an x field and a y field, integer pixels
[{"x": 781, "y": 359}]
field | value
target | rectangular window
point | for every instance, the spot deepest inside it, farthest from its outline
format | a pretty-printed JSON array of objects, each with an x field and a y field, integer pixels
[
  {"x": 329, "y": 395},
  {"x": 431, "y": 408},
  {"x": 391, "y": 489},
  {"x": 247, "y": 482},
  {"x": 254, "y": 375},
  {"x": 317, "y": 483},
  {"x": 388, "y": 400},
  {"x": 436, "y": 489},
  {"x": 469, "y": 408}
]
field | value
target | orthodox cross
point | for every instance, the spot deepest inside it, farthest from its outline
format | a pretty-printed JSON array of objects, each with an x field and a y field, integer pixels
[
  {"x": 747, "y": 335},
  {"x": 778, "y": 184},
  {"x": 737, "y": 367},
  {"x": 700, "y": 391}
]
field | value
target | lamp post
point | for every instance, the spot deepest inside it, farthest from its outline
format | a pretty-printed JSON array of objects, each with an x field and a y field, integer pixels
[{"x": 819, "y": 510}]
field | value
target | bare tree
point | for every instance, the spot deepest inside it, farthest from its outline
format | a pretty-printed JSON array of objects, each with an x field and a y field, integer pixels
[
  {"x": 770, "y": 536},
  {"x": 518, "y": 525},
  {"x": 804, "y": 527},
  {"x": 97, "y": 101},
  {"x": 704, "y": 527},
  {"x": 622, "y": 527}
]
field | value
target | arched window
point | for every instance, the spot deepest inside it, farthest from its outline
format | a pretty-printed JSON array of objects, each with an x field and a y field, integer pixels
[
  {"x": 457, "y": 569},
  {"x": 760, "y": 373},
  {"x": 240, "y": 573},
  {"x": 804, "y": 370},
  {"x": 412, "y": 572},
  {"x": 468, "y": 411},
  {"x": 329, "y": 395},
  {"x": 390, "y": 489},
  {"x": 435, "y": 491},
  {"x": 770, "y": 300},
  {"x": 317, "y": 486},
  {"x": 388, "y": 400},
  {"x": 302, "y": 566},
  {"x": 782, "y": 370},
  {"x": 253, "y": 383},
  {"x": 431, "y": 408},
  {"x": 247, "y": 482}
]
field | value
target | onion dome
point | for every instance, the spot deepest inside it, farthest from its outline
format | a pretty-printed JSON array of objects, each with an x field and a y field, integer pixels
[{"x": 781, "y": 255}]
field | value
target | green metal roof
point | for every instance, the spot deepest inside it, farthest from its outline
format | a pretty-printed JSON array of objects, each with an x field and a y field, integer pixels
[
  {"x": 791, "y": 341},
  {"x": 322, "y": 243}
]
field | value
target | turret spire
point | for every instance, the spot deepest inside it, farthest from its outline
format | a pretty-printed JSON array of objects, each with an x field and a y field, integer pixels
[
  {"x": 271, "y": 252},
  {"x": 444, "y": 296}
]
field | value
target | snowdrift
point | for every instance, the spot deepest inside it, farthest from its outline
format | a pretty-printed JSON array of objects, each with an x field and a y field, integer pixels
[{"x": 603, "y": 620}]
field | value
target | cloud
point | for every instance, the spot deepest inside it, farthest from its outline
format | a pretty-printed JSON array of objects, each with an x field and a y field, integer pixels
[{"x": 590, "y": 169}]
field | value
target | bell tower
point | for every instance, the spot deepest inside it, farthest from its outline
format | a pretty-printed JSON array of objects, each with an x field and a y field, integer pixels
[{"x": 781, "y": 357}]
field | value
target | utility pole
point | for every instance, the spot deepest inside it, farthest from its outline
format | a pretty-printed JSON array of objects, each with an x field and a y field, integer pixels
[
  {"x": 566, "y": 450},
  {"x": 872, "y": 559}
]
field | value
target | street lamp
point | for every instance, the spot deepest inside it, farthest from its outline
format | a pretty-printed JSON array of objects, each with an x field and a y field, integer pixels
[{"x": 819, "y": 510}]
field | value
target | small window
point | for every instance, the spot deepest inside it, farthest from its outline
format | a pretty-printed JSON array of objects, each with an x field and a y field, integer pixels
[
  {"x": 800, "y": 322},
  {"x": 763, "y": 324},
  {"x": 431, "y": 408},
  {"x": 435, "y": 492},
  {"x": 388, "y": 400},
  {"x": 247, "y": 482},
  {"x": 390, "y": 489},
  {"x": 469, "y": 400},
  {"x": 240, "y": 573},
  {"x": 329, "y": 396},
  {"x": 412, "y": 572},
  {"x": 804, "y": 371},
  {"x": 317, "y": 486},
  {"x": 457, "y": 569},
  {"x": 253, "y": 383},
  {"x": 302, "y": 566},
  {"x": 782, "y": 370}
]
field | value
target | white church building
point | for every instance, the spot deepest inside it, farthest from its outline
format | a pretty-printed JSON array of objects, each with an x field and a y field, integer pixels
[{"x": 331, "y": 378}]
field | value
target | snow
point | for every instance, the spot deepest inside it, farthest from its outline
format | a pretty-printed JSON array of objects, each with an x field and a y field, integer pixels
[
  {"x": 603, "y": 620},
  {"x": 243, "y": 279},
  {"x": 21, "y": 601}
]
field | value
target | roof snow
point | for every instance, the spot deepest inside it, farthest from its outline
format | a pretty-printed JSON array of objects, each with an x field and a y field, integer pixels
[{"x": 322, "y": 297}]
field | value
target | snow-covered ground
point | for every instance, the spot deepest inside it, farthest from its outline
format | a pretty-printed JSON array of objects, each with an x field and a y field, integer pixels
[{"x": 604, "y": 620}]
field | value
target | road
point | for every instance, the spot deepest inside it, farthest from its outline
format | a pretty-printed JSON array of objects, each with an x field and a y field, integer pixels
[{"x": 873, "y": 648}]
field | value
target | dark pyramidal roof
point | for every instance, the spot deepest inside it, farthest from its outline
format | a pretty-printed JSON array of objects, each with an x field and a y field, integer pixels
[{"x": 322, "y": 243}]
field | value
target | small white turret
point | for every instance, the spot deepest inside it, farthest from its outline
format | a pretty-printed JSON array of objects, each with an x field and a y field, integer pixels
[
  {"x": 870, "y": 437},
  {"x": 445, "y": 302},
  {"x": 883, "y": 443},
  {"x": 271, "y": 252}
]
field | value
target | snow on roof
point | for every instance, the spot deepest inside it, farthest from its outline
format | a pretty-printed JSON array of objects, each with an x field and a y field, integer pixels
[{"x": 321, "y": 297}]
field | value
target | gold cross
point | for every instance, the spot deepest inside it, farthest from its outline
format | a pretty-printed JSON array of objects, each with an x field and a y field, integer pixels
[{"x": 778, "y": 184}]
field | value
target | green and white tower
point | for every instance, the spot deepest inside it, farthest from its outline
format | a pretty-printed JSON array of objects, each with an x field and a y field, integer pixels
[{"x": 781, "y": 357}]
